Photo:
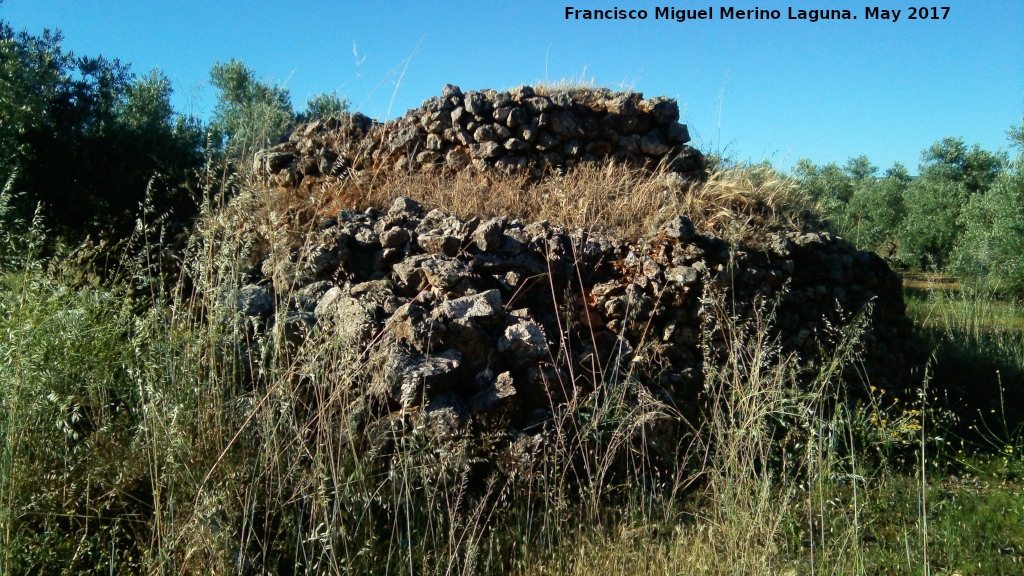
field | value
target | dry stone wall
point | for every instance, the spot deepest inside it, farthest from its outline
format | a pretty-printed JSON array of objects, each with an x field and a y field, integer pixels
[
  {"x": 486, "y": 325},
  {"x": 516, "y": 131}
]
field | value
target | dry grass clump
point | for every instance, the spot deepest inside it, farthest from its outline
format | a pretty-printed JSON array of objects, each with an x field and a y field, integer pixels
[
  {"x": 740, "y": 203},
  {"x": 579, "y": 83},
  {"x": 746, "y": 201}
]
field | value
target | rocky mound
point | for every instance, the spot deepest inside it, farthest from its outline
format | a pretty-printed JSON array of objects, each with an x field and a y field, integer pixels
[
  {"x": 488, "y": 325},
  {"x": 522, "y": 130}
]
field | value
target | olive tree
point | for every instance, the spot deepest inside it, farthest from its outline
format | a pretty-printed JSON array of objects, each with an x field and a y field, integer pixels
[
  {"x": 250, "y": 114},
  {"x": 991, "y": 248}
]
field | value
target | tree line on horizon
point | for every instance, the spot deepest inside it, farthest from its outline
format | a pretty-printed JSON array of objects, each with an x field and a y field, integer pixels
[
  {"x": 92, "y": 142},
  {"x": 962, "y": 215}
]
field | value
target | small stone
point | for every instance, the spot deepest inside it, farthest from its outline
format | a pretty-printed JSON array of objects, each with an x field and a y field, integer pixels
[
  {"x": 350, "y": 317},
  {"x": 515, "y": 145},
  {"x": 427, "y": 157},
  {"x": 495, "y": 397},
  {"x": 439, "y": 244},
  {"x": 394, "y": 237},
  {"x": 518, "y": 117},
  {"x": 491, "y": 133},
  {"x": 255, "y": 300},
  {"x": 485, "y": 150},
  {"x": 277, "y": 161},
  {"x": 309, "y": 296},
  {"x": 546, "y": 142},
  {"x": 538, "y": 104},
  {"x": 522, "y": 92},
  {"x": 684, "y": 275},
  {"x": 402, "y": 137},
  {"x": 434, "y": 142},
  {"x": 680, "y": 228},
  {"x": 501, "y": 114},
  {"x": 487, "y": 236},
  {"x": 663, "y": 110},
  {"x": 477, "y": 104},
  {"x": 420, "y": 378},
  {"x": 405, "y": 206},
  {"x": 475, "y": 306},
  {"x": 523, "y": 342},
  {"x": 456, "y": 159},
  {"x": 653, "y": 146}
]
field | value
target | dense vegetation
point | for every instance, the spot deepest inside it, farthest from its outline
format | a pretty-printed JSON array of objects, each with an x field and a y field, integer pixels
[
  {"x": 143, "y": 430},
  {"x": 93, "y": 142},
  {"x": 963, "y": 214}
]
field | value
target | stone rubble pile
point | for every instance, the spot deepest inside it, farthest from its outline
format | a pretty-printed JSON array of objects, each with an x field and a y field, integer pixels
[
  {"x": 521, "y": 130},
  {"x": 486, "y": 325}
]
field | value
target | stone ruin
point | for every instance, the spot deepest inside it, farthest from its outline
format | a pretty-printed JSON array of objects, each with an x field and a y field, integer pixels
[
  {"x": 487, "y": 326},
  {"x": 522, "y": 130},
  {"x": 483, "y": 322}
]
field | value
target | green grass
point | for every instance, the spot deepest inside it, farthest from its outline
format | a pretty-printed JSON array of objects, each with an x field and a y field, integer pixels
[{"x": 978, "y": 345}]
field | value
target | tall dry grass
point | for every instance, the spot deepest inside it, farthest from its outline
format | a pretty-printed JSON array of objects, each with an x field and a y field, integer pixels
[{"x": 738, "y": 202}]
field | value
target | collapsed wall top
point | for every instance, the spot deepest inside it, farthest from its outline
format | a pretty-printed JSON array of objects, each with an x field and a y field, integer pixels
[{"x": 522, "y": 130}]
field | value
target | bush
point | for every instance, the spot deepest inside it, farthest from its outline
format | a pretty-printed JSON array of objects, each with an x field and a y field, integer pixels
[
  {"x": 932, "y": 225},
  {"x": 952, "y": 174},
  {"x": 322, "y": 106}
]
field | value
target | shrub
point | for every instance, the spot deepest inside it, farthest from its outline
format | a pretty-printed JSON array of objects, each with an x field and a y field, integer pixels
[{"x": 875, "y": 214}]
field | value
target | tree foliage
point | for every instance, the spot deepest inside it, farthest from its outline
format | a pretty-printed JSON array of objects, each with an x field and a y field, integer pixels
[
  {"x": 952, "y": 160},
  {"x": 857, "y": 204},
  {"x": 923, "y": 221},
  {"x": 875, "y": 213},
  {"x": 951, "y": 175},
  {"x": 992, "y": 248},
  {"x": 322, "y": 106},
  {"x": 829, "y": 187},
  {"x": 87, "y": 139},
  {"x": 932, "y": 225},
  {"x": 251, "y": 114}
]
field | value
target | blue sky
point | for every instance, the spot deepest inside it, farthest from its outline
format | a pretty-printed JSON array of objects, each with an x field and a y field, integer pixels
[{"x": 755, "y": 89}]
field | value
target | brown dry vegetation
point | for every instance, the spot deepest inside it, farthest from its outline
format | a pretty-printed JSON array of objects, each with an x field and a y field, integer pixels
[{"x": 737, "y": 203}]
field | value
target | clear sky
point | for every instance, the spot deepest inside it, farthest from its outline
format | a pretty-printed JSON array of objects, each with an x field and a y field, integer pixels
[{"x": 775, "y": 89}]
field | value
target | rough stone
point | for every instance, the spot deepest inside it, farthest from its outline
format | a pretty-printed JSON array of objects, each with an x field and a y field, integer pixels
[
  {"x": 349, "y": 317},
  {"x": 485, "y": 304},
  {"x": 416, "y": 378},
  {"x": 523, "y": 342},
  {"x": 394, "y": 237},
  {"x": 439, "y": 244},
  {"x": 487, "y": 236},
  {"x": 254, "y": 300},
  {"x": 685, "y": 275},
  {"x": 477, "y": 104},
  {"x": 405, "y": 207},
  {"x": 680, "y": 228}
]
